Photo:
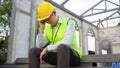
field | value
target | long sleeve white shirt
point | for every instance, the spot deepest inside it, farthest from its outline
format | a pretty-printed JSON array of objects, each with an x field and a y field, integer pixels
[{"x": 41, "y": 39}]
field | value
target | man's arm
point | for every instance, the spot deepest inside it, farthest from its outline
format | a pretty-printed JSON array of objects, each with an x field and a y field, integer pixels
[{"x": 41, "y": 40}]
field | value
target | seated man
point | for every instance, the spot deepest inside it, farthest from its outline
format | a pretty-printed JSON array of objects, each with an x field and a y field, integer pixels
[{"x": 63, "y": 49}]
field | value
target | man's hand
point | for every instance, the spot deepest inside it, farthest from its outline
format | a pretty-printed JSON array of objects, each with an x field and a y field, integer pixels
[
  {"x": 43, "y": 53},
  {"x": 42, "y": 26}
]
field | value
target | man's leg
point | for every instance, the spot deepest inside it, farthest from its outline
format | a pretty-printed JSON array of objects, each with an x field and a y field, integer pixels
[
  {"x": 34, "y": 54},
  {"x": 67, "y": 57},
  {"x": 51, "y": 58},
  {"x": 63, "y": 56},
  {"x": 74, "y": 58}
]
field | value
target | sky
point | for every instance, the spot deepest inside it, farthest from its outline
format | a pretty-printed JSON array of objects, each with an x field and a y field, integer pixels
[{"x": 80, "y": 6}]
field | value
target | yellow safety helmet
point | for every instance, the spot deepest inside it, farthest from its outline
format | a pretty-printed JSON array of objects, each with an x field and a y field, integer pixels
[{"x": 45, "y": 9}]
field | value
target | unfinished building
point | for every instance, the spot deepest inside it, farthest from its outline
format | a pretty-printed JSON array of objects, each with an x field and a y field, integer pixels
[{"x": 105, "y": 36}]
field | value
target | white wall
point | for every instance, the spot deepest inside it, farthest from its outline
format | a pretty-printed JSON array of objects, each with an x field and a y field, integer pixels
[
  {"x": 111, "y": 34},
  {"x": 21, "y": 40}
]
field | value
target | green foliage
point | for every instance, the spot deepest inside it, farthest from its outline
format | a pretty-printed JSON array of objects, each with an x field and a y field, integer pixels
[
  {"x": 5, "y": 14},
  {"x": 5, "y": 11},
  {"x": 3, "y": 51}
]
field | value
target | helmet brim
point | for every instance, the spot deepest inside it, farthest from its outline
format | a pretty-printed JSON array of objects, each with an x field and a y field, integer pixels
[{"x": 43, "y": 18}]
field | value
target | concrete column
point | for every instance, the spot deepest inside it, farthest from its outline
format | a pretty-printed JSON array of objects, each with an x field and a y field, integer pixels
[
  {"x": 84, "y": 39},
  {"x": 23, "y": 29}
]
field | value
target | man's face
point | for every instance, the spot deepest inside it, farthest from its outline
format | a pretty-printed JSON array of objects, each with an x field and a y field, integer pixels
[{"x": 51, "y": 19}]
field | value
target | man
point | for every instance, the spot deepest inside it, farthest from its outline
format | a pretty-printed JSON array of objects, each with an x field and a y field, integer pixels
[{"x": 59, "y": 35}]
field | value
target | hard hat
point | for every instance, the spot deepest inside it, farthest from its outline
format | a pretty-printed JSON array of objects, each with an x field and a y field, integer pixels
[{"x": 45, "y": 9}]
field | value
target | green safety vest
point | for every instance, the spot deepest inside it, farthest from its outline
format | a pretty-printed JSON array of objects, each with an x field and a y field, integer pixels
[{"x": 59, "y": 35}]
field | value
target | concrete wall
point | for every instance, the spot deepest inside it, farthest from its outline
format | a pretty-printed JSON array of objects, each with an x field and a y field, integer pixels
[
  {"x": 112, "y": 34},
  {"x": 23, "y": 29}
]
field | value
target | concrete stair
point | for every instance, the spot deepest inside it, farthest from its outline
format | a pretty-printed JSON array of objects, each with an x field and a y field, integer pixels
[
  {"x": 42, "y": 66},
  {"x": 24, "y": 66},
  {"x": 23, "y": 63}
]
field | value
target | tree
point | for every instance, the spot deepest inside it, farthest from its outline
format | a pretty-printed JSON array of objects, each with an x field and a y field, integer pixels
[{"x": 5, "y": 14}]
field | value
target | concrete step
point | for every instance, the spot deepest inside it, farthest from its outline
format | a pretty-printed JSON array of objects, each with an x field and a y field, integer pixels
[
  {"x": 24, "y": 66},
  {"x": 42, "y": 66}
]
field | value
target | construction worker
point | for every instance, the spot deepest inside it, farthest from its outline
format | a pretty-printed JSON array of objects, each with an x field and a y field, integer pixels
[{"x": 59, "y": 37}]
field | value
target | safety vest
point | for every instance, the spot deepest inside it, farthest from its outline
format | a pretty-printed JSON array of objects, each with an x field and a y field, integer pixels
[{"x": 59, "y": 35}]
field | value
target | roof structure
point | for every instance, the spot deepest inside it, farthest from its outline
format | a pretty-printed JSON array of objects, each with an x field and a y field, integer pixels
[{"x": 104, "y": 13}]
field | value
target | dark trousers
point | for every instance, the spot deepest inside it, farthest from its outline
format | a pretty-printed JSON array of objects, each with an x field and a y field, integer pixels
[{"x": 63, "y": 58}]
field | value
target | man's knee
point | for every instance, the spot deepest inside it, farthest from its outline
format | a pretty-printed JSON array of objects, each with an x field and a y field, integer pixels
[{"x": 63, "y": 46}]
